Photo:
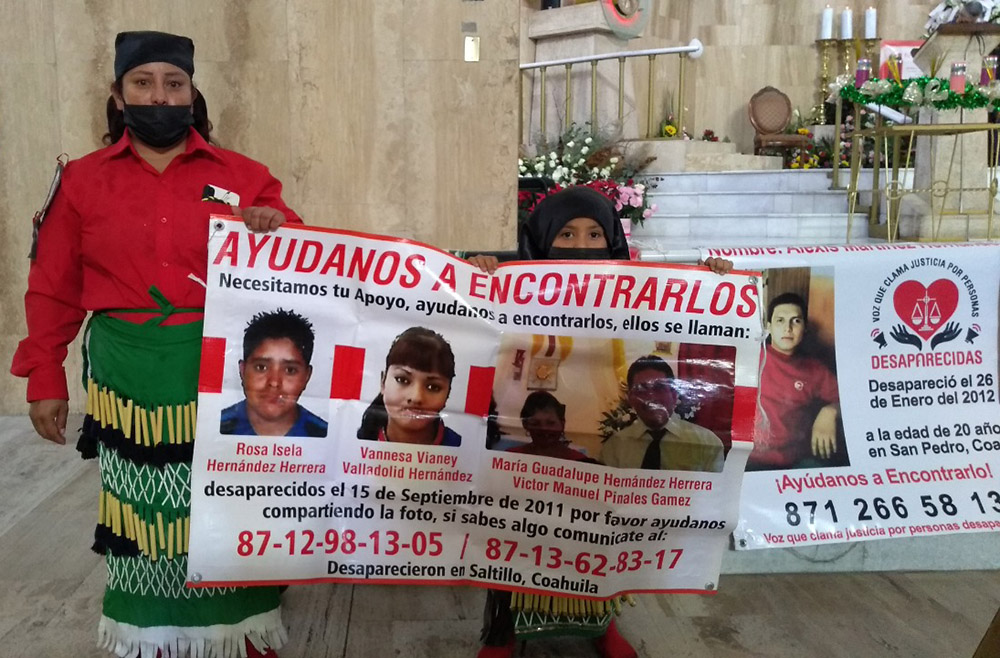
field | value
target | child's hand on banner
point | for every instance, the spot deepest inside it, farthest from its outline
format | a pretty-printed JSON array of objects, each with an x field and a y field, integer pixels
[
  {"x": 717, "y": 265},
  {"x": 487, "y": 264}
]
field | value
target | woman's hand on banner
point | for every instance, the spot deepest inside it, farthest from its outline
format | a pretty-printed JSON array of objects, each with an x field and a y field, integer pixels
[
  {"x": 717, "y": 265},
  {"x": 487, "y": 264},
  {"x": 49, "y": 419},
  {"x": 824, "y": 434},
  {"x": 260, "y": 219}
]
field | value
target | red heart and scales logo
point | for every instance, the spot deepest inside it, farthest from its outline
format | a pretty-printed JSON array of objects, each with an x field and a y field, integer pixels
[
  {"x": 925, "y": 312},
  {"x": 925, "y": 309}
]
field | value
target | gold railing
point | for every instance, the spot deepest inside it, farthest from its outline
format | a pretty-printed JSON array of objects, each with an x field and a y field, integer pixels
[
  {"x": 693, "y": 50},
  {"x": 889, "y": 139}
]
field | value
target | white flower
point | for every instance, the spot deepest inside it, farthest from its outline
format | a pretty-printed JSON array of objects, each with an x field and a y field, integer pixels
[
  {"x": 570, "y": 144},
  {"x": 639, "y": 187},
  {"x": 584, "y": 150},
  {"x": 588, "y": 140},
  {"x": 606, "y": 172},
  {"x": 540, "y": 167},
  {"x": 613, "y": 160}
]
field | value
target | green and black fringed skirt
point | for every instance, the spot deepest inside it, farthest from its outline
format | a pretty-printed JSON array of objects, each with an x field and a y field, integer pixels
[
  {"x": 142, "y": 385},
  {"x": 532, "y": 616}
]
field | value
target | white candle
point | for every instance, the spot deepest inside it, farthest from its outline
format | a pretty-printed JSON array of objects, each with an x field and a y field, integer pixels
[
  {"x": 847, "y": 24},
  {"x": 870, "y": 23},
  {"x": 826, "y": 25}
]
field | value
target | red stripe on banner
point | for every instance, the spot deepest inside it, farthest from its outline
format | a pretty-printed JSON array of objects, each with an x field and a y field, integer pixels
[
  {"x": 348, "y": 367},
  {"x": 213, "y": 363},
  {"x": 477, "y": 399},
  {"x": 432, "y": 583},
  {"x": 744, "y": 412}
]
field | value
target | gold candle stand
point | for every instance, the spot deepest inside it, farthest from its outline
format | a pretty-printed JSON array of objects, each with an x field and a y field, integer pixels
[{"x": 825, "y": 48}]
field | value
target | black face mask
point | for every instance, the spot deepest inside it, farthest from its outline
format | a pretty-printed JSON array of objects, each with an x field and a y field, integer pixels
[
  {"x": 159, "y": 126},
  {"x": 575, "y": 253}
]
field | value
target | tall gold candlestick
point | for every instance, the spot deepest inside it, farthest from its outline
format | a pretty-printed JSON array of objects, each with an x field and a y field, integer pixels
[{"x": 825, "y": 48}]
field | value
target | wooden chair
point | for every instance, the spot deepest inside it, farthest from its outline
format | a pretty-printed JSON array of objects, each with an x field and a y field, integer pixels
[{"x": 770, "y": 111}]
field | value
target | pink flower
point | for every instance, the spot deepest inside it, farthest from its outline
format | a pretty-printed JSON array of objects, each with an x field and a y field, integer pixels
[{"x": 647, "y": 213}]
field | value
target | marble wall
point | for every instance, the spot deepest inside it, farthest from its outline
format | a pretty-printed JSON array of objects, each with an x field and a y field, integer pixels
[{"x": 365, "y": 110}]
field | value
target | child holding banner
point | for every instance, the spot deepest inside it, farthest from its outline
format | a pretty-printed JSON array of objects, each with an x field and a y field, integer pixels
[
  {"x": 125, "y": 238},
  {"x": 416, "y": 382},
  {"x": 577, "y": 223}
]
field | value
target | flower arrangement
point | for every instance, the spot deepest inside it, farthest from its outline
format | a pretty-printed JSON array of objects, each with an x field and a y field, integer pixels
[
  {"x": 804, "y": 157},
  {"x": 824, "y": 147},
  {"x": 584, "y": 158},
  {"x": 670, "y": 130},
  {"x": 709, "y": 136},
  {"x": 617, "y": 418}
]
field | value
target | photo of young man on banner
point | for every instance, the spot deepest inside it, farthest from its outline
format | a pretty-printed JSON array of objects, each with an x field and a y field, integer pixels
[
  {"x": 274, "y": 371},
  {"x": 799, "y": 423}
]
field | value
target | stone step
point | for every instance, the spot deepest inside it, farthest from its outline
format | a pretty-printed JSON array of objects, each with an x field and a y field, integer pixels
[
  {"x": 719, "y": 230},
  {"x": 724, "y": 162},
  {"x": 782, "y": 180},
  {"x": 678, "y": 155},
  {"x": 745, "y": 202}
]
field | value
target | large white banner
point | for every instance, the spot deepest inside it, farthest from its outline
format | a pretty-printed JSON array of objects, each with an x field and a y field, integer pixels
[
  {"x": 376, "y": 410},
  {"x": 879, "y": 394}
]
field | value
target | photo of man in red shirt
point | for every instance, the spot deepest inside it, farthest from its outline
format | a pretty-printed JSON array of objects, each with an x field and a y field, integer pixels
[{"x": 800, "y": 403}]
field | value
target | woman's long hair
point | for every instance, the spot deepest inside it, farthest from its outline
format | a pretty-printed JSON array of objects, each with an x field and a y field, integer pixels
[
  {"x": 418, "y": 348},
  {"x": 116, "y": 118}
]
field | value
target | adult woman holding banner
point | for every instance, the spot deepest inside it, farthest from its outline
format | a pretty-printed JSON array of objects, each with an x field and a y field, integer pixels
[
  {"x": 126, "y": 239},
  {"x": 414, "y": 388}
]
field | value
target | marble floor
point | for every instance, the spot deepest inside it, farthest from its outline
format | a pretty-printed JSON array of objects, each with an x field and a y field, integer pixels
[{"x": 52, "y": 587}]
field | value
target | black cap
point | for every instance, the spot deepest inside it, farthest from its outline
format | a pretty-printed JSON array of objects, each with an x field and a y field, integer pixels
[{"x": 134, "y": 49}]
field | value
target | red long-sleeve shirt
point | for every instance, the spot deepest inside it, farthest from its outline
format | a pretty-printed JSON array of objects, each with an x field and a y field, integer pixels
[
  {"x": 117, "y": 227},
  {"x": 792, "y": 391}
]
